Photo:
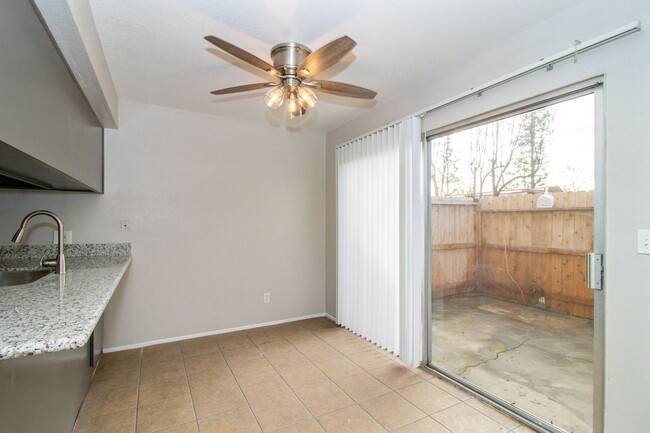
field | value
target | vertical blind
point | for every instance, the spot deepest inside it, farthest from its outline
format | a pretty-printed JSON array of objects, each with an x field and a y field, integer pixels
[
  {"x": 411, "y": 242},
  {"x": 378, "y": 190}
]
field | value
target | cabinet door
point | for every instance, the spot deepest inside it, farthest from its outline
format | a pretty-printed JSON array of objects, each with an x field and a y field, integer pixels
[
  {"x": 96, "y": 343},
  {"x": 49, "y": 137},
  {"x": 43, "y": 393}
]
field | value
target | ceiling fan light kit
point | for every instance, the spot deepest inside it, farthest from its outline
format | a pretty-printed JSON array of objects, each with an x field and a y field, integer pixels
[
  {"x": 307, "y": 97},
  {"x": 294, "y": 65}
]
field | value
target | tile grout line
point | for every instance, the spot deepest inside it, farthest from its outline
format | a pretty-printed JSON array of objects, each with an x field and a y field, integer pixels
[
  {"x": 316, "y": 366},
  {"x": 286, "y": 383},
  {"x": 290, "y": 387},
  {"x": 248, "y": 403},
  {"x": 358, "y": 403},
  {"x": 355, "y": 402},
  {"x": 484, "y": 414},
  {"x": 189, "y": 388},
  {"x": 308, "y": 333},
  {"x": 392, "y": 391},
  {"x": 465, "y": 403},
  {"x": 137, "y": 400},
  {"x": 427, "y": 416},
  {"x": 220, "y": 349}
]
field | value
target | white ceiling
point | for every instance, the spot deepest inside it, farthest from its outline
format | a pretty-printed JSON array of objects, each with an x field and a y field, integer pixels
[{"x": 157, "y": 55}]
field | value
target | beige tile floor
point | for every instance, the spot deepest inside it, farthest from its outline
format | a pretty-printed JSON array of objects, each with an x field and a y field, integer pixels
[{"x": 303, "y": 377}]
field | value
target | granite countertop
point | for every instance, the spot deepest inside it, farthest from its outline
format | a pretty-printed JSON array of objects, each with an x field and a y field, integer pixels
[{"x": 58, "y": 312}]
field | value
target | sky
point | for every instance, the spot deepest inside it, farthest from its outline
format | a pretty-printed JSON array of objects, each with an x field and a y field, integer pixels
[
  {"x": 573, "y": 142},
  {"x": 570, "y": 149}
]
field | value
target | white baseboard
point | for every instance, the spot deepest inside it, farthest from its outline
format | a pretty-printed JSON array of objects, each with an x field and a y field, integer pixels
[{"x": 220, "y": 331}]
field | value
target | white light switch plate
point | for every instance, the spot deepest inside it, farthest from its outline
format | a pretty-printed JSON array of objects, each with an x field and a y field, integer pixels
[{"x": 643, "y": 241}]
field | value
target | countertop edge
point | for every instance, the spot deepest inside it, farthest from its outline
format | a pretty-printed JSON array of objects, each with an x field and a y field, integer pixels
[
  {"x": 83, "y": 338},
  {"x": 32, "y": 348}
]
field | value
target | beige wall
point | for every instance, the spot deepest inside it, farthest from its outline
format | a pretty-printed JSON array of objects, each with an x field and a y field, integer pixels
[
  {"x": 221, "y": 212},
  {"x": 626, "y": 67}
]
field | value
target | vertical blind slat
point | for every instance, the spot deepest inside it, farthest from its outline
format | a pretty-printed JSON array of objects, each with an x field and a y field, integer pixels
[{"x": 374, "y": 236}]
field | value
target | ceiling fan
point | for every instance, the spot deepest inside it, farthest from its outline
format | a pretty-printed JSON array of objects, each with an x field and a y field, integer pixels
[{"x": 294, "y": 66}]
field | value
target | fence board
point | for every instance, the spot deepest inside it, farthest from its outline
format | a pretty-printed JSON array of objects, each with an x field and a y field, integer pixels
[
  {"x": 453, "y": 245},
  {"x": 544, "y": 247}
]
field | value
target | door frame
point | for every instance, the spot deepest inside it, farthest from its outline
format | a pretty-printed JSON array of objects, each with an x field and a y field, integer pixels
[{"x": 596, "y": 86}]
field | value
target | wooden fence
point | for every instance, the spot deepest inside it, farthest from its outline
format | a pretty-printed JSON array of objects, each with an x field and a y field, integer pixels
[
  {"x": 454, "y": 256},
  {"x": 505, "y": 247}
]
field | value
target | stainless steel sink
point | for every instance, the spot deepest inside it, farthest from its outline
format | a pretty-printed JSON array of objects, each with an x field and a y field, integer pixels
[{"x": 15, "y": 278}]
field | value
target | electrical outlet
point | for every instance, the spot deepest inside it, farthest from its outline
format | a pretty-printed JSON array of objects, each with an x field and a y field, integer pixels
[
  {"x": 125, "y": 225},
  {"x": 67, "y": 237},
  {"x": 267, "y": 298}
]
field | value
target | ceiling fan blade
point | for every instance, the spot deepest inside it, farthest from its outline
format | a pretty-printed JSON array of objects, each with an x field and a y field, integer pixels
[
  {"x": 243, "y": 55},
  {"x": 326, "y": 56},
  {"x": 244, "y": 88},
  {"x": 343, "y": 89}
]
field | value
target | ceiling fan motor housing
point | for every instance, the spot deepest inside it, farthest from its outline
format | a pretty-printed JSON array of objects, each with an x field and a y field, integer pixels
[{"x": 287, "y": 56}]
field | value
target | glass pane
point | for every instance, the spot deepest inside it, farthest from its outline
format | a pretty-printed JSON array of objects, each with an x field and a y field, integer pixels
[{"x": 511, "y": 220}]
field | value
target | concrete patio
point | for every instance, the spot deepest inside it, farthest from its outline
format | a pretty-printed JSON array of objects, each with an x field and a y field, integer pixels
[{"x": 537, "y": 360}]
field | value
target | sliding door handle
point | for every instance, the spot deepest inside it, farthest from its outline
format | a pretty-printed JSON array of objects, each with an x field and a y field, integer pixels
[{"x": 594, "y": 271}]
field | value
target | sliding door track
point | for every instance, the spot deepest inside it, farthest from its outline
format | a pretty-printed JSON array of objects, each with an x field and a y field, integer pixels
[{"x": 498, "y": 403}]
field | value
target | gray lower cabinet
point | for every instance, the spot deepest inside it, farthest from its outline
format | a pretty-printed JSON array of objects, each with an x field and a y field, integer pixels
[
  {"x": 43, "y": 393},
  {"x": 97, "y": 343}
]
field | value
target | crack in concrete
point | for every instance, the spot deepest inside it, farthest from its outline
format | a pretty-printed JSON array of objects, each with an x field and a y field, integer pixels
[
  {"x": 555, "y": 354},
  {"x": 526, "y": 340},
  {"x": 496, "y": 357}
]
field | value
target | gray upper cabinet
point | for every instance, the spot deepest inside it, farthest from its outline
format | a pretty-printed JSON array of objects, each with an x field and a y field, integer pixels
[{"x": 49, "y": 136}]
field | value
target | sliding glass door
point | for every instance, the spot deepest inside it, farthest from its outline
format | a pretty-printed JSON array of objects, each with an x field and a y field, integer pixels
[{"x": 515, "y": 204}]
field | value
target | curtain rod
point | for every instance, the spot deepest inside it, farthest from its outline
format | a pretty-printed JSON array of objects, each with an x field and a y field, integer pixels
[{"x": 543, "y": 63}]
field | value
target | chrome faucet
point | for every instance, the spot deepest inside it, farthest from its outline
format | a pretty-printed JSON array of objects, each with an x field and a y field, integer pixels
[{"x": 58, "y": 263}]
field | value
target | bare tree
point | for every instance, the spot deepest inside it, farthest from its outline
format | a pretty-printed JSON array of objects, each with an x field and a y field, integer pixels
[
  {"x": 444, "y": 173},
  {"x": 502, "y": 154},
  {"x": 532, "y": 142},
  {"x": 575, "y": 178},
  {"x": 516, "y": 149},
  {"x": 505, "y": 155},
  {"x": 478, "y": 150}
]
